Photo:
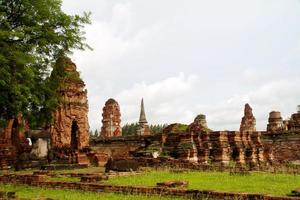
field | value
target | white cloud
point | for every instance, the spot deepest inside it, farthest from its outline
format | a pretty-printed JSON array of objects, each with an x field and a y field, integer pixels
[
  {"x": 164, "y": 100},
  {"x": 229, "y": 54},
  {"x": 171, "y": 100}
]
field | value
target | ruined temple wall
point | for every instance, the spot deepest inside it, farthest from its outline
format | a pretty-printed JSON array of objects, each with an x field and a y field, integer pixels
[
  {"x": 218, "y": 146},
  {"x": 122, "y": 146},
  {"x": 238, "y": 146},
  {"x": 117, "y": 148},
  {"x": 284, "y": 147}
]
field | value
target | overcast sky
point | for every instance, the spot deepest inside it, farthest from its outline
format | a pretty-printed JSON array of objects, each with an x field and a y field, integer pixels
[{"x": 191, "y": 57}]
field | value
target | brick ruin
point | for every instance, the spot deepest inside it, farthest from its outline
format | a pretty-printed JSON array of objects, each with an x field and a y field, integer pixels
[
  {"x": 275, "y": 122},
  {"x": 14, "y": 132},
  {"x": 294, "y": 122},
  {"x": 111, "y": 119},
  {"x": 13, "y": 141},
  {"x": 217, "y": 146},
  {"x": 282, "y": 138},
  {"x": 200, "y": 144},
  {"x": 199, "y": 125},
  {"x": 202, "y": 148},
  {"x": 248, "y": 121},
  {"x": 196, "y": 143},
  {"x": 277, "y": 125},
  {"x": 69, "y": 131},
  {"x": 70, "y": 127}
]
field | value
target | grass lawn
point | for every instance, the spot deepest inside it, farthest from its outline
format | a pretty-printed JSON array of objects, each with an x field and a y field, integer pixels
[
  {"x": 35, "y": 192},
  {"x": 257, "y": 182}
]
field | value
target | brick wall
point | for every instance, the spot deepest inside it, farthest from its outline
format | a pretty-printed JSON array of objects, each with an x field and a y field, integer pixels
[
  {"x": 284, "y": 147},
  {"x": 122, "y": 146}
]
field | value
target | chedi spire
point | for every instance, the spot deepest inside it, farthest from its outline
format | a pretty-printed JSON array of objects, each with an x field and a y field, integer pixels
[
  {"x": 142, "y": 119},
  {"x": 143, "y": 128}
]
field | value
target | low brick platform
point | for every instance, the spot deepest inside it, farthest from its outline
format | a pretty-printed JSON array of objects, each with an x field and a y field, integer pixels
[
  {"x": 80, "y": 174},
  {"x": 173, "y": 184},
  {"x": 7, "y": 195},
  {"x": 46, "y": 173},
  {"x": 38, "y": 181},
  {"x": 64, "y": 166},
  {"x": 103, "y": 175},
  {"x": 24, "y": 179},
  {"x": 90, "y": 179}
]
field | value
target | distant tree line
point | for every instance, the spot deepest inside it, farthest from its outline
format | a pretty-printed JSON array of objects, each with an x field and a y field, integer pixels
[{"x": 131, "y": 129}]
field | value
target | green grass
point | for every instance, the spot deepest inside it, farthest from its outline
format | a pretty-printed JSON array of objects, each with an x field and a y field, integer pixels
[
  {"x": 258, "y": 182},
  {"x": 34, "y": 192}
]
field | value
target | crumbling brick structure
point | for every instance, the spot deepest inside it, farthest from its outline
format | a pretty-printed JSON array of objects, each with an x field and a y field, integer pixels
[
  {"x": 12, "y": 141},
  {"x": 294, "y": 123},
  {"x": 111, "y": 122},
  {"x": 70, "y": 127},
  {"x": 248, "y": 121},
  {"x": 217, "y": 146},
  {"x": 14, "y": 132},
  {"x": 199, "y": 124},
  {"x": 275, "y": 122}
]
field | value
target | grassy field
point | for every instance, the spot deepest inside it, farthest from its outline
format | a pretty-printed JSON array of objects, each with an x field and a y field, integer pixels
[
  {"x": 34, "y": 192},
  {"x": 257, "y": 182}
]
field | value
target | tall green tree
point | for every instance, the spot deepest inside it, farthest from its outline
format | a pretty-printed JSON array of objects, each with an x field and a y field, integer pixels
[{"x": 33, "y": 34}]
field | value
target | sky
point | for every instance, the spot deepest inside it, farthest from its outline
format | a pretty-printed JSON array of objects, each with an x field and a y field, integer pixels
[{"x": 190, "y": 57}]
